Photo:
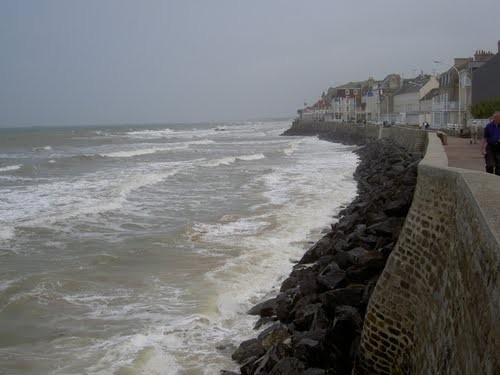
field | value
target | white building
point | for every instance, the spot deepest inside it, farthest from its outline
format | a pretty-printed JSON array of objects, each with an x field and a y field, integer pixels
[{"x": 407, "y": 101}]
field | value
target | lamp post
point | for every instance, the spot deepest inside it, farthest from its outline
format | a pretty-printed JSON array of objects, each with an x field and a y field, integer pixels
[
  {"x": 419, "y": 104},
  {"x": 459, "y": 101},
  {"x": 386, "y": 97}
]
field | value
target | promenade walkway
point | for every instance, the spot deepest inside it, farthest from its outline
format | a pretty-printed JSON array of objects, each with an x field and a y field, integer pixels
[{"x": 461, "y": 154}]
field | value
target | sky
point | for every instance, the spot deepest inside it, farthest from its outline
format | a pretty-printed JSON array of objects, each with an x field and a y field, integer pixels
[{"x": 75, "y": 62}]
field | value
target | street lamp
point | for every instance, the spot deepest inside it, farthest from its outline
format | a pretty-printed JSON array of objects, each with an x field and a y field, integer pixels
[
  {"x": 419, "y": 104},
  {"x": 386, "y": 97},
  {"x": 459, "y": 101},
  {"x": 416, "y": 83}
]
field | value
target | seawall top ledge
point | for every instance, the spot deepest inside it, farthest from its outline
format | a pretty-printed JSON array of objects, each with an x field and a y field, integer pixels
[{"x": 481, "y": 188}]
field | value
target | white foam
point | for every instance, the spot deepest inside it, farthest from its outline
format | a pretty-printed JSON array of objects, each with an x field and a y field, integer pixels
[
  {"x": 6, "y": 232},
  {"x": 201, "y": 142},
  {"x": 150, "y": 133},
  {"x": 223, "y": 161},
  {"x": 306, "y": 195},
  {"x": 10, "y": 168},
  {"x": 128, "y": 154},
  {"x": 57, "y": 201},
  {"x": 172, "y": 134},
  {"x": 156, "y": 148},
  {"x": 43, "y": 148},
  {"x": 231, "y": 159},
  {"x": 133, "y": 354},
  {"x": 251, "y": 157},
  {"x": 292, "y": 147},
  {"x": 240, "y": 129},
  {"x": 226, "y": 228},
  {"x": 6, "y": 284}
]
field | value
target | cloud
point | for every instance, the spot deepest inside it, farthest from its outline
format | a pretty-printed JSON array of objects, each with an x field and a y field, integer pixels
[{"x": 169, "y": 61}]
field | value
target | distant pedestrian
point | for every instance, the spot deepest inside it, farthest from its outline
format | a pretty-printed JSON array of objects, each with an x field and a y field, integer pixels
[
  {"x": 473, "y": 132},
  {"x": 490, "y": 145}
]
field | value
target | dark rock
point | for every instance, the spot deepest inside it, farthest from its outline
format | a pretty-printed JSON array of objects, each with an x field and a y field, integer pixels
[
  {"x": 272, "y": 335},
  {"x": 266, "y": 363},
  {"x": 362, "y": 240},
  {"x": 304, "y": 301},
  {"x": 323, "y": 301},
  {"x": 314, "y": 371},
  {"x": 288, "y": 366},
  {"x": 317, "y": 250},
  {"x": 323, "y": 261},
  {"x": 368, "y": 266},
  {"x": 383, "y": 228},
  {"x": 348, "y": 222},
  {"x": 358, "y": 252},
  {"x": 308, "y": 286},
  {"x": 318, "y": 335},
  {"x": 375, "y": 218},
  {"x": 303, "y": 271},
  {"x": 320, "y": 320},
  {"x": 340, "y": 245},
  {"x": 387, "y": 249},
  {"x": 309, "y": 351},
  {"x": 289, "y": 283},
  {"x": 247, "y": 349},
  {"x": 331, "y": 276},
  {"x": 368, "y": 290},
  {"x": 351, "y": 296},
  {"x": 304, "y": 316},
  {"x": 370, "y": 257},
  {"x": 266, "y": 308},
  {"x": 344, "y": 259},
  {"x": 345, "y": 331},
  {"x": 263, "y": 321},
  {"x": 248, "y": 367},
  {"x": 398, "y": 207},
  {"x": 285, "y": 303}
]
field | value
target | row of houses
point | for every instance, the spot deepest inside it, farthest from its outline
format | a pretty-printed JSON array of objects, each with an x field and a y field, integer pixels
[{"x": 439, "y": 100}]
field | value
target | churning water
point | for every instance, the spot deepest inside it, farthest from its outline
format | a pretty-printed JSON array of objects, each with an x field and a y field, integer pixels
[{"x": 139, "y": 249}]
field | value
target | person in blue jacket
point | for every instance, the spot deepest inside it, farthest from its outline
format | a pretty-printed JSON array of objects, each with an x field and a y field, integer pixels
[{"x": 490, "y": 145}]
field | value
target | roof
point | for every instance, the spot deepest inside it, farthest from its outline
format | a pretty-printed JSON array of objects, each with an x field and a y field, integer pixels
[
  {"x": 413, "y": 84},
  {"x": 490, "y": 62},
  {"x": 408, "y": 88},
  {"x": 431, "y": 94}
]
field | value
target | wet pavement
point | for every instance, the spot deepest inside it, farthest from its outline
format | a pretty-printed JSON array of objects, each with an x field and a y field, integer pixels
[{"x": 462, "y": 154}]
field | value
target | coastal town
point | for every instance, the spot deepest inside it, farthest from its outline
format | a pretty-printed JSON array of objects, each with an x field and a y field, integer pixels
[
  {"x": 449, "y": 100},
  {"x": 405, "y": 280}
]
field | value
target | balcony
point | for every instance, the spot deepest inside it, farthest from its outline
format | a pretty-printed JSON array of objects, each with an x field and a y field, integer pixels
[{"x": 446, "y": 107}]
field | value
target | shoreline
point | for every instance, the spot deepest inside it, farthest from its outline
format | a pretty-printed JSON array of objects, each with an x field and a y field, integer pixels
[{"x": 314, "y": 324}]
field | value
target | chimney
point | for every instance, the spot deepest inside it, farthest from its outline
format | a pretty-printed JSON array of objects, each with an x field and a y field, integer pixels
[
  {"x": 482, "y": 55},
  {"x": 461, "y": 61}
]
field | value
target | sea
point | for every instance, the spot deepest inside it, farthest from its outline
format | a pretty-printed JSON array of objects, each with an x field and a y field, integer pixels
[{"x": 139, "y": 249}]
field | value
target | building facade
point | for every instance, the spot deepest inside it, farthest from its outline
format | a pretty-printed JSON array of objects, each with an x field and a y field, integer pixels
[{"x": 485, "y": 80}]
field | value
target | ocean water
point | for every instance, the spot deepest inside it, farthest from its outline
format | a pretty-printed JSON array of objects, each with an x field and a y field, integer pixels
[{"x": 139, "y": 249}]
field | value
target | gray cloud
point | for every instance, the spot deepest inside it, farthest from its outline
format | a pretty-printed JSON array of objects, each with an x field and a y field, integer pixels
[{"x": 98, "y": 61}]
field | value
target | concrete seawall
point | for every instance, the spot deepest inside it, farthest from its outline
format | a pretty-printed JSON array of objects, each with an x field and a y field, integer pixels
[
  {"x": 436, "y": 306},
  {"x": 411, "y": 139}
]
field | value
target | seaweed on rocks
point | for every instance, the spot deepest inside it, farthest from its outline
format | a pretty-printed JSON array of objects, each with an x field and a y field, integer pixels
[{"x": 317, "y": 317}]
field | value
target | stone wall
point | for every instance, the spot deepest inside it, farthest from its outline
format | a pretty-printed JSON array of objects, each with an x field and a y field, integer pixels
[
  {"x": 411, "y": 139},
  {"x": 368, "y": 131},
  {"x": 436, "y": 306}
]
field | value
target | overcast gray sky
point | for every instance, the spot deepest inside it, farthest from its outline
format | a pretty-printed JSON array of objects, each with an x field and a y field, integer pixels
[{"x": 123, "y": 61}]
